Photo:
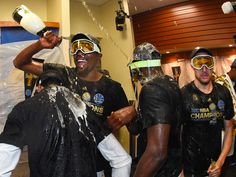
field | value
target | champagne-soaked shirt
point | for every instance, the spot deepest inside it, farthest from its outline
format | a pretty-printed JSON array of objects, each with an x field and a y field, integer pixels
[
  {"x": 160, "y": 103},
  {"x": 204, "y": 120},
  {"x": 60, "y": 132},
  {"x": 102, "y": 96}
]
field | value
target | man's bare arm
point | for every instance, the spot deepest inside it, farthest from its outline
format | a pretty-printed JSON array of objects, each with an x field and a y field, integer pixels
[
  {"x": 216, "y": 170},
  {"x": 121, "y": 117},
  {"x": 24, "y": 61},
  {"x": 156, "y": 151}
]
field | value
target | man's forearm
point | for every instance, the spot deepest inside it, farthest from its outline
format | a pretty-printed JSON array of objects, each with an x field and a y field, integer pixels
[
  {"x": 121, "y": 117},
  {"x": 25, "y": 56},
  {"x": 23, "y": 60},
  {"x": 148, "y": 166},
  {"x": 228, "y": 136}
]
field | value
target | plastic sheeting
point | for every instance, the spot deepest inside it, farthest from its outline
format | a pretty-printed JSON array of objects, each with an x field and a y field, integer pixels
[{"x": 12, "y": 79}]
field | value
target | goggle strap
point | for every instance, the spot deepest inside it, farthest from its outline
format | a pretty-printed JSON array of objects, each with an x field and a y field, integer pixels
[
  {"x": 145, "y": 63},
  {"x": 202, "y": 56}
]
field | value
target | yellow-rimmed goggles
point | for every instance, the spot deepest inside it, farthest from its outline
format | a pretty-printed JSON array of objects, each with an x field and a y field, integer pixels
[
  {"x": 85, "y": 46},
  {"x": 202, "y": 60}
]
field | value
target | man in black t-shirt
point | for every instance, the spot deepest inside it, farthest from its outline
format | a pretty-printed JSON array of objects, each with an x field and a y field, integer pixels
[
  {"x": 159, "y": 116},
  {"x": 208, "y": 110},
  {"x": 103, "y": 95},
  {"x": 54, "y": 126},
  {"x": 61, "y": 133}
]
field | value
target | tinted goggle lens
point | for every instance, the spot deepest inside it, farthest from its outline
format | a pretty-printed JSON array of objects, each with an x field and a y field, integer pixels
[
  {"x": 143, "y": 74},
  {"x": 201, "y": 61},
  {"x": 85, "y": 46},
  {"x": 135, "y": 74}
]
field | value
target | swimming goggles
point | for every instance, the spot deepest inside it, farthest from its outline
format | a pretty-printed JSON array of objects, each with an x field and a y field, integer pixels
[
  {"x": 85, "y": 46},
  {"x": 199, "y": 61}
]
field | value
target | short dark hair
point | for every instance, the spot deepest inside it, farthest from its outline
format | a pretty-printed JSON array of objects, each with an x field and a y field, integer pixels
[
  {"x": 51, "y": 77},
  {"x": 198, "y": 50}
]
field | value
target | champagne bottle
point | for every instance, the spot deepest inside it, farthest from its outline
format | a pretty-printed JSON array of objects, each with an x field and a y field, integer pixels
[{"x": 29, "y": 21}]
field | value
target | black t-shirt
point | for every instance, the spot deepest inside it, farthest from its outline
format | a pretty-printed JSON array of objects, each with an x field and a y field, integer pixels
[
  {"x": 60, "y": 132},
  {"x": 102, "y": 96},
  {"x": 160, "y": 103},
  {"x": 204, "y": 120}
]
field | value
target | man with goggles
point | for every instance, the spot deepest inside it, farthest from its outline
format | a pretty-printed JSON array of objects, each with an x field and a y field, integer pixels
[
  {"x": 208, "y": 110},
  {"x": 159, "y": 118},
  {"x": 104, "y": 96},
  {"x": 145, "y": 65}
]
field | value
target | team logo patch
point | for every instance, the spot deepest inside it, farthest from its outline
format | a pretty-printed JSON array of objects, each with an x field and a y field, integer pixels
[
  {"x": 86, "y": 96},
  {"x": 221, "y": 105},
  {"x": 98, "y": 98},
  {"x": 212, "y": 107}
]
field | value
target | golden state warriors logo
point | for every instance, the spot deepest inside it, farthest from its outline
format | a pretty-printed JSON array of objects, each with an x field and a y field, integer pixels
[
  {"x": 98, "y": 98},
  {"x": 221, "y": 105}
]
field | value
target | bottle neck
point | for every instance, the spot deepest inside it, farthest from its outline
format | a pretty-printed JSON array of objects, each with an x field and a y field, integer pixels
[{"x": 41, "y": 33}]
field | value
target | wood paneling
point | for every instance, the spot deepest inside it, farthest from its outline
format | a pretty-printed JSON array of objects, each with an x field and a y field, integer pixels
[
  {"x": 14, "y": 24},
  {"x": 220, "y": 52},
  {"x": 186, "y": 25}
]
